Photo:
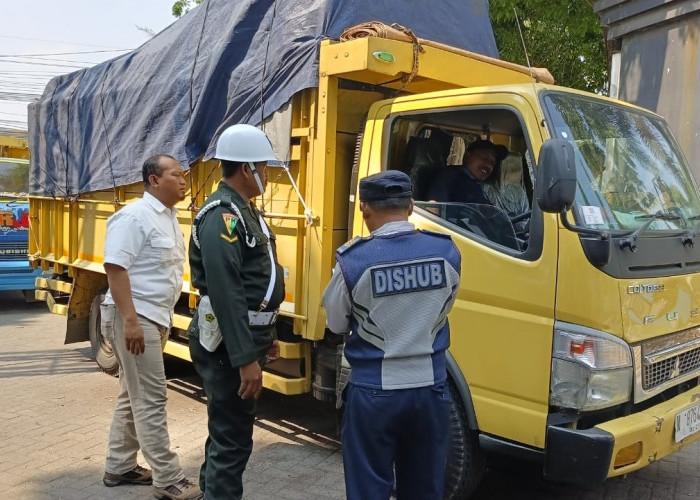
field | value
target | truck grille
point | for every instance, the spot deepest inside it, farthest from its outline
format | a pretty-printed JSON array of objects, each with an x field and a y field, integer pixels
[
  {"x": 655, "y": 374},
  {"x": 13, "y": 250}
]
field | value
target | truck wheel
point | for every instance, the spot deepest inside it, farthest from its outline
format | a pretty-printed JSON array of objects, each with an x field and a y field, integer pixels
[
  {"x": 465, "y": 461},
  {"x": 101, "y": 350}
]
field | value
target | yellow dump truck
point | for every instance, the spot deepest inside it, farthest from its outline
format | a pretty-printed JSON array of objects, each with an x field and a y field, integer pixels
[{"x": 576, "y": 331}]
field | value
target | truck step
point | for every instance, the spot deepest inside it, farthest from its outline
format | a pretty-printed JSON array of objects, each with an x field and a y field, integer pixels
[
  {"x": 273, "y": 381},
  {"x": 286, "y": 385},
  {"x": 52, "y": 284},
  {"x": 54, "y": 307}
]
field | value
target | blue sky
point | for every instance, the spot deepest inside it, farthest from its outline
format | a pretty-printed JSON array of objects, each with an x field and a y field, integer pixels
[{"x": 44, "y": 38}]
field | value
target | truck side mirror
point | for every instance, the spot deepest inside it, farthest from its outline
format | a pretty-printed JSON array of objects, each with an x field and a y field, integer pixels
[{"x": 556, "y": 176}]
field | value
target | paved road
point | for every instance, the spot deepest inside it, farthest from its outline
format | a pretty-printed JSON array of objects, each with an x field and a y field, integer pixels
[{"x": 55, "y": 410}]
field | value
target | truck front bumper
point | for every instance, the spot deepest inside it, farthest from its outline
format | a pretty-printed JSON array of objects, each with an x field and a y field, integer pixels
[{"x": 618, "y": 446}]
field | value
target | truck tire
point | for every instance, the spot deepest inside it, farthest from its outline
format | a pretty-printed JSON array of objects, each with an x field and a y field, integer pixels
[
  {"x": 465, "y": 460},
  {"x": 101, "y": 350}
]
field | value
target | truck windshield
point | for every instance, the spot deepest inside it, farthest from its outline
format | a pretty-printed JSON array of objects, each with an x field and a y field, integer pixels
[
  {"x": 14, "y": 179},
  {"x": 629, "y": 167}
]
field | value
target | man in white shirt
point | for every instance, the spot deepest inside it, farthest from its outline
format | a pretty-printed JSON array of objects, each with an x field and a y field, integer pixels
[{"x": 143, "y": 258}]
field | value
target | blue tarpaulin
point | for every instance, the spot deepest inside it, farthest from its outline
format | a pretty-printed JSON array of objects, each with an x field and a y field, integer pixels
[{"x": 92, "y": 129}]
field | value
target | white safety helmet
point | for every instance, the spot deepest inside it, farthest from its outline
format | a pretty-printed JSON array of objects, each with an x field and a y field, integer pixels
[{"x": 244, "y": 143}]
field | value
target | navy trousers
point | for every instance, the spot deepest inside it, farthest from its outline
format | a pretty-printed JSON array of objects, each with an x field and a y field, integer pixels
[{"x": 403, "y": 430}]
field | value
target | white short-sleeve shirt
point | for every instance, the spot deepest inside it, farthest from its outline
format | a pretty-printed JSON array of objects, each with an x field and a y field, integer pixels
[{"x": 145, "y": 238}]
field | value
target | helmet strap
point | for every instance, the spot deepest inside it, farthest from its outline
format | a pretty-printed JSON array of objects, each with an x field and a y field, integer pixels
[{"x": 256, "y": 175}]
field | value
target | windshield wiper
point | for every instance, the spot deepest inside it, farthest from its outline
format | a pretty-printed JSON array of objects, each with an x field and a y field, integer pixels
[
  {"x": 688, "y": 238},
  {"x": 631, "y": 241}
]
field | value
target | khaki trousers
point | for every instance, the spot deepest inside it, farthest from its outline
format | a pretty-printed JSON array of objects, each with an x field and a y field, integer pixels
[{"x": 140, "y": 420}]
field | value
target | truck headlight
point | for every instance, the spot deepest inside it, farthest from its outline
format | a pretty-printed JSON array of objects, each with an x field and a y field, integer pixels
[{"x": 590, "y": 369}]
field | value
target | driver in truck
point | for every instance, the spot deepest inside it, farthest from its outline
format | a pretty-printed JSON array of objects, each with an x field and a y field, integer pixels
[{"x": 465, "y": 184}]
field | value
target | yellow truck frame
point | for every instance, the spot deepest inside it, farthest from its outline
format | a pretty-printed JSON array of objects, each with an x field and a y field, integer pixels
[{"x": 339, "y": 133}]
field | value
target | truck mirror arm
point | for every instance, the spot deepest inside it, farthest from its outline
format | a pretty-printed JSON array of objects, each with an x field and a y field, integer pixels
[
  {"x": 603, "y": 235},
  {"x": 598, "y": 248}
]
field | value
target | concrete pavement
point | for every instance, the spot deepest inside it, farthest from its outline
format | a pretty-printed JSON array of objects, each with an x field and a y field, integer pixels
[{"x": 56, "y": 407}]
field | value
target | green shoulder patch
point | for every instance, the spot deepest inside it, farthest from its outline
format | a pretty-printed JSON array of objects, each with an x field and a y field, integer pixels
[{"x": 230, "y": 221}]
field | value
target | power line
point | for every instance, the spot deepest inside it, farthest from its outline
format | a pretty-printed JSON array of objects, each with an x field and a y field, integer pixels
[
  {"x": 27, "y": 72},
  {"x": 36, "y": 58},
  {"x": 21, "y": 90},
  {"x": 65, "y": 53},
  {"x": 13, "y": 124},
  {"x": 65, "y": 43},
  {"x": 16, "y": 80},
  {"x": 31, "y": 63},
  {"x": 20, "y": 78},
  {"x": 20, "y": 133},
  {"x": 21, "y": 83},
  {"x": 15, "y": 96}
]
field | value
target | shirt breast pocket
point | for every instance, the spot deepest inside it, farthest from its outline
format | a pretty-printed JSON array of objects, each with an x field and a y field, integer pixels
[
  {"x": 162, "y": 248},
  {"x": 260, "y": 240}
]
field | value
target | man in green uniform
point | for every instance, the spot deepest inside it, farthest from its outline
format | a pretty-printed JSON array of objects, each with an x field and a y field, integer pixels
[{"x": 234, "y": 266}]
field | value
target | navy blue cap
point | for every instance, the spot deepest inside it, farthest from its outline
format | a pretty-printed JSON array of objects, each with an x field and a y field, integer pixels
[
  {"x": 480, "y": 144},
  {"x": 385, "y": 185}
]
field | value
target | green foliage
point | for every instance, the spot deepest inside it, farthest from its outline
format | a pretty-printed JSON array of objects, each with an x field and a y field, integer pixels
[
  {"x": 563, "y": 36},
  {"x": 181, "y": 7}
]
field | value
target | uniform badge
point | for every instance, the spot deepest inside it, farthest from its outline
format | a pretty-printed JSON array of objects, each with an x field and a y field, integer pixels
[
  {"x": 230, "y": 221},
  {"x": 230, "y": 239}
]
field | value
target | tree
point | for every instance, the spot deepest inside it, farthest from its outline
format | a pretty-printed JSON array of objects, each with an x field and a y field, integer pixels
[
  {"x": 563, "y": 36},
  {"x": 181, "y": 7}
]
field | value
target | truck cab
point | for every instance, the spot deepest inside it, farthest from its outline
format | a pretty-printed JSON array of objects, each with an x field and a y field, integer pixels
[
  {"x": 574, "y": 338},
  {"x": 15, "y": 270}
]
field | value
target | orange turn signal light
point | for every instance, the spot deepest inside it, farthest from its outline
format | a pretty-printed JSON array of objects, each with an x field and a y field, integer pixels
[
  {"x": 628, "y": 455},
  {"x": 580, "y": 346}
]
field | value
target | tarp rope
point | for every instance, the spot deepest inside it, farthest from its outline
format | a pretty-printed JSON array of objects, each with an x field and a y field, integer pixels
[{"x": 398, "y": 32}]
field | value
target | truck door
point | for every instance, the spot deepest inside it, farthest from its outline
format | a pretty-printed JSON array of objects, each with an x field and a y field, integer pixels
[{"x": 501, "y": 325}]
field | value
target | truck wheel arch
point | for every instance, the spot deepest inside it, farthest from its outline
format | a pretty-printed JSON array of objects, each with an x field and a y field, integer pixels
[
  {"x": 455, "y": 375},
  {"x": 465, "y": 459}
]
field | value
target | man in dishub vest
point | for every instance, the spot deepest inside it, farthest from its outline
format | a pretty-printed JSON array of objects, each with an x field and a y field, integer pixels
[{"x": 392, "y": 291}]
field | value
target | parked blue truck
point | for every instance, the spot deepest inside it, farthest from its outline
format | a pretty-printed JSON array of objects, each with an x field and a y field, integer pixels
[{"x": 15, "y": 271}]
